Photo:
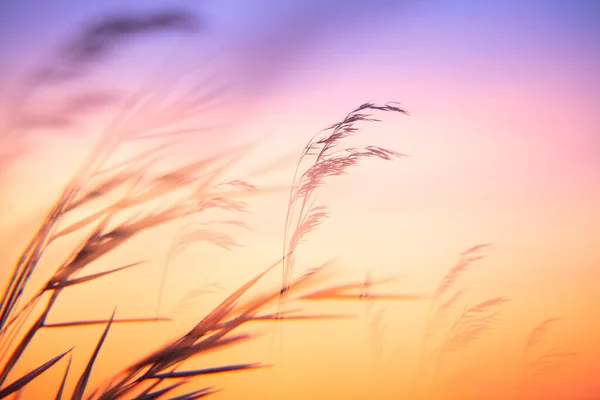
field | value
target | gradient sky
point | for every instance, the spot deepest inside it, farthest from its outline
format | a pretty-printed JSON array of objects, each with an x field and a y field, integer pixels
[{"x": 502, "y": 135}]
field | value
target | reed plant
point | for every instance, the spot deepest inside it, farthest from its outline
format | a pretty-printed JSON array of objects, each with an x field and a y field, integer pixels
[
  {"x": 107, "y": 203},
  {"x": 448, "y": 332}
]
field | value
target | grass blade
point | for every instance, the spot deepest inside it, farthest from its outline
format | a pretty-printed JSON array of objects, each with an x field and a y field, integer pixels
[
  {"x": 64, "y": 381},
  {"x": 103, "y": 322},
  {"x": 358, "y": 296},
  {"x": 208, "y": 371},
  {"x": 159, "y": 393},
  {"x": 88, "y": 278},
  {"x": 25, "y": 379},
  {"x": 85, "y": 376}
]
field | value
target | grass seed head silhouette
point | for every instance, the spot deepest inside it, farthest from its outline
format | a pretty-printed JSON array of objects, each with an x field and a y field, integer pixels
[{"x": 329, "y": 159}]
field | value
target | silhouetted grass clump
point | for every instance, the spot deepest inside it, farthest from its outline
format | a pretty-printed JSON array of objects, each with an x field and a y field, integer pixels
[
  {"x": 445, "y": 336},
  {"x": 137, "y": 188}
]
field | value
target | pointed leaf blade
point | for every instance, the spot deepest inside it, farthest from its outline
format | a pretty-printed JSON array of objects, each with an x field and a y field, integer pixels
[
  {"x": 30, "y": 376},
  {"x": 85, "y": 376}
]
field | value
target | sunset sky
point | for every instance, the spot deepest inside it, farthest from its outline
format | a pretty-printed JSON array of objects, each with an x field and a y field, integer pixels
[{"x": 503, "y": 147}]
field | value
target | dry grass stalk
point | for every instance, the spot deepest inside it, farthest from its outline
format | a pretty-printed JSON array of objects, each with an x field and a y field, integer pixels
[
  {"x": 537, "y": 368},
  {"x": 329, "y": 159},
  {"x": 537, "y": 334},
  {"x": 376, "y": 326},
  {"x": 470, "y": 325},
  {"x": 466, "y": 328},
  {"x": 326, "y": 157},
  {"x": 439, "y": 308}
]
